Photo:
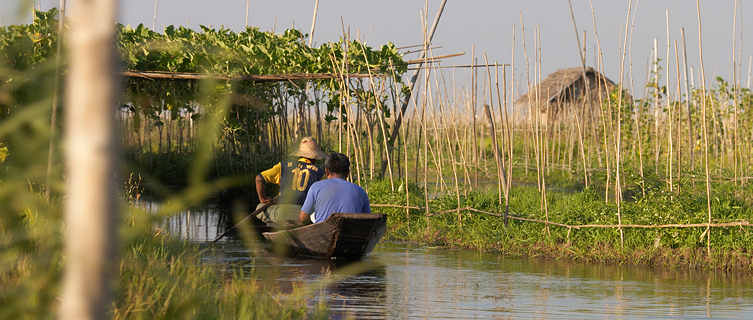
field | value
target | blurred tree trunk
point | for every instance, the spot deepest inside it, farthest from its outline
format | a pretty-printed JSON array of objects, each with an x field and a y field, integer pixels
[{"x": 90, "y": 154}]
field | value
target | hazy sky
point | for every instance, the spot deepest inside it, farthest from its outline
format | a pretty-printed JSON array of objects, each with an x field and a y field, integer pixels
[{"x": 486, "y": 24}]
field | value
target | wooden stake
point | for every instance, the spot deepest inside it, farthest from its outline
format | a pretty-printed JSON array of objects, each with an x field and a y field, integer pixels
[
  {"x": 679, "y": 111},
  {"x": 735, "y": 142},
  {"x": 423, "y": 121},
  {"x": 703, "y": 125},
  {"x": 618, "y": 187},
  {"x": 691, "y": 140},
  {"x": 380, "y": 115},
  {"x": 313, "y": 20},
  {"x": 91, "y": 205},
  {"x": 587, "y": 100},
  {"x": 500, "y": 171},
  {"x": 247, "y": 5},
  {"x": 405, "y": 154},
  {"x": 656, "y": 106},
  {"x": 154, "y": 16},
  {"x": 669, "y": 111}
]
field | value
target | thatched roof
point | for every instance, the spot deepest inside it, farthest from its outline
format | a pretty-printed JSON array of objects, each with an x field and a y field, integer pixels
[{"x": 555, "y": 87}]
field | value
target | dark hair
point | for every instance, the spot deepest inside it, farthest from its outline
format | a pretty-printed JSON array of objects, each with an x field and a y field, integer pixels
[{"x": 337, "y": 163}]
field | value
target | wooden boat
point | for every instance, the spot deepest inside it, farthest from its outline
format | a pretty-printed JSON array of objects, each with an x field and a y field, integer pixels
[{"x": 342, "y": 236}]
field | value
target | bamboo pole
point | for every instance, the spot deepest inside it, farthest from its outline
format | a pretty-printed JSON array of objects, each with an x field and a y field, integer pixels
[
  {"x": 679, "y": 111},
  {"x": 502, "y": 99},
  {"x": 586, "y": 101},
  {"x": 734, "y": 91},
  {"x": 691, "y": 144},
  {"x": 750, "y": 68},
  {"x": 414, "y": 79},
  {"x": 500, "y": 171},
  {"x": 747, "y": 141},
  {"x": 91, "y": 206},
  {"x": 154, "y": 15},
  {"x": 656, "y": 105},
  {"x": 495, "y": 145},
  {"x": 527, "y": 83},
  {"x": 427, "y": 43},
  {"x": 461, "y": 149},
  {"x": 436, "y": 156},
  {"x": 405, "y": 155},
  {"x": 510, "y": 130},
  {"x": 433, "y": 59},
  {"x": 419, "y": 148},
  {"x": 527, "y": 130},
  {"x": 246, "y": 21},
  {"x": 474, "y": 101},
  {"x": 313, "y": 22},
  {"x": 381, "y": 120},
  {"x": 370, "y": 137},
  {"x": 461, "y": 66},
  {"x": 453, "y": 160},
  {"x": 669, "y": 110},
  {"x": 703, "y": 125},
  {"x": 618, "y": 187},
  {"x": 602, "y": 86},
  {"x": 250, "y": 77},
  {"x": 543, "y": 134}
]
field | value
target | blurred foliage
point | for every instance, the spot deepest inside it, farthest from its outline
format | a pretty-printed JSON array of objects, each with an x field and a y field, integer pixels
[{"x": 157, "y": 278}]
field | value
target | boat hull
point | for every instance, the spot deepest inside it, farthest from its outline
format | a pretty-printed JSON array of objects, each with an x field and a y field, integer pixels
[{"x": 341, "y": 236}]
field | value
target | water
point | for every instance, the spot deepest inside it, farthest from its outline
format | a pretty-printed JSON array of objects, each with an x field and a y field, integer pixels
[{"x": 405, "y": 282}]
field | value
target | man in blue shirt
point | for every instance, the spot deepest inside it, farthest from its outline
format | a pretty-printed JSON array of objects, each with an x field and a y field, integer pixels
[{"x": 335, "y": 194}]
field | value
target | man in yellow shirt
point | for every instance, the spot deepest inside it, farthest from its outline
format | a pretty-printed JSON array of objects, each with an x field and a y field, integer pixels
[{"x": 294, "y": 178}]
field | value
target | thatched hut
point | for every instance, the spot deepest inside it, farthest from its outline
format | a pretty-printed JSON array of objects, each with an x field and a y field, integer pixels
[{"x": 564, "y": 89}]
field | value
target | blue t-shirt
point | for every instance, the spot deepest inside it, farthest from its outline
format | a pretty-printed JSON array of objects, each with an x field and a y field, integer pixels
[{"x": 335, "y": 195}]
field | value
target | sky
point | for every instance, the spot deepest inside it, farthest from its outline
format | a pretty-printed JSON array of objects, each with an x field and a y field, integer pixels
[{"x": 486, "y": 25}]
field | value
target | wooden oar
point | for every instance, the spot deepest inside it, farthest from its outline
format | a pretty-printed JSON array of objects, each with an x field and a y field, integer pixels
[{"x": 252, "y": 214}]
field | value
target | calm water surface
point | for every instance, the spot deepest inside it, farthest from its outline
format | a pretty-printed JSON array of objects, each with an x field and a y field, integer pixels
[{"x": 407, "y": 282}]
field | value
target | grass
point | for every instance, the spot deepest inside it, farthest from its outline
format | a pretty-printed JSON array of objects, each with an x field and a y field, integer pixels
[
  {"x": 167, "y": 280},
  {"x": 158, "y": 278},
  {"x": 672, "y": 247}
]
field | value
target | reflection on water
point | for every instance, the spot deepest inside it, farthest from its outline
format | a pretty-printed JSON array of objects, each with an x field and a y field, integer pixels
[
  {"x": 199, "y": 225},
  {"x": 403, "y": 281},
  {"x": 464, "y": 284}
]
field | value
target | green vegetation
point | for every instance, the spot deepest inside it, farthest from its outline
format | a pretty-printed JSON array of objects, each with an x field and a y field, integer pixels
[
  {"x": 161, "y": 118},
  {"x": 158, "y": 117},
  {"x": 159, "y": 279},
  {"x": 668, "y": 247}
]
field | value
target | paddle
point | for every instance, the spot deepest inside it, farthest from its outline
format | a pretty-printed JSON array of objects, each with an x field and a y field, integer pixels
[{"x": 252, "y": 214}]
